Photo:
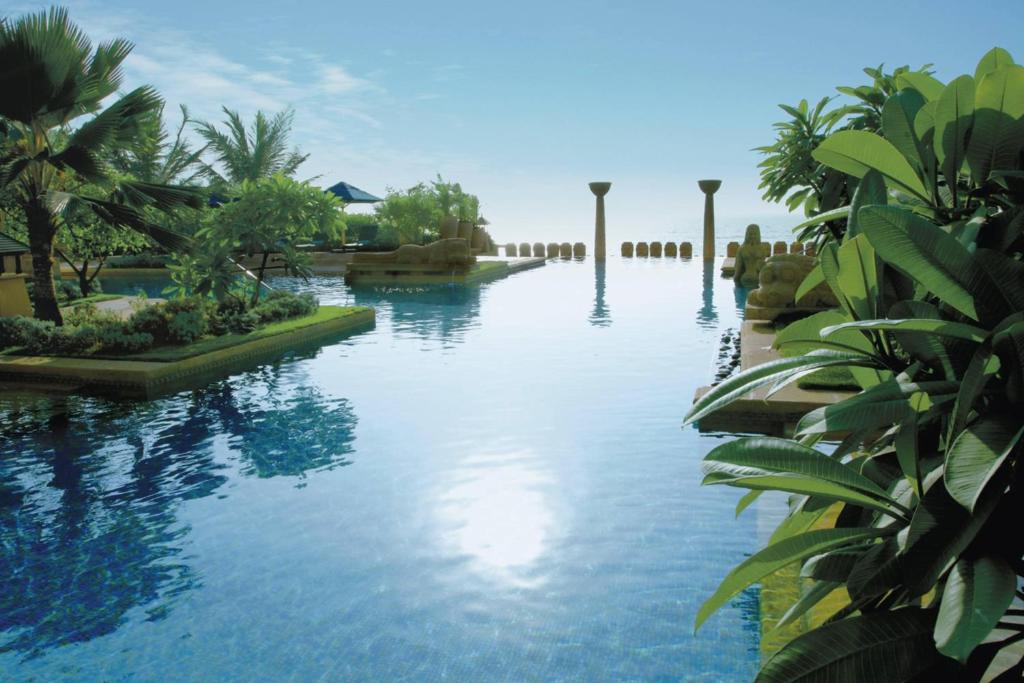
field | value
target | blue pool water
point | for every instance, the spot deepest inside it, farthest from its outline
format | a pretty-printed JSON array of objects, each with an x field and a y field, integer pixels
[{"x": 492, "y": 485}]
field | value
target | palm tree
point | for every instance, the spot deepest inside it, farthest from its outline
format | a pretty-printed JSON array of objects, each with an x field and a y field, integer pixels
[
  {"x": 49, "y": 77},
  {"x": 154, "y": 157},
  {"x": 260, "y": 152}
]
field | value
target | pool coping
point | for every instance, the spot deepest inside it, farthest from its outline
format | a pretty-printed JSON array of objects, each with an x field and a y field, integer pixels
[
  {"x": 412, "y": 275},
  {"x": 148, "y": 379}
]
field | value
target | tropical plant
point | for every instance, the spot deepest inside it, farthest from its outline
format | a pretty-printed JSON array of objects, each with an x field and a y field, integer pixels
[
  {"x": 274, "y": 214},
  {"x": 409, "y": 216},
  {"x": 259, "y": 152},
  {"x": 51, "y": 77},
  {"x": 790, "y": 173},
  {"x": 913, "y": 513}
]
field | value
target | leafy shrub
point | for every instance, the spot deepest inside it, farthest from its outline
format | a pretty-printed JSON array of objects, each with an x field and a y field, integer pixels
[
  {"x": 121, "y": 339},
  {"x": 281, "y": 305},
  {"x": 927, "y": 484},
  {"x": 138, "y": 261},
  {"x": 19, "y": 330},
  {"x": 179, "y": 321},
  {"x": 61, "y": 341}
]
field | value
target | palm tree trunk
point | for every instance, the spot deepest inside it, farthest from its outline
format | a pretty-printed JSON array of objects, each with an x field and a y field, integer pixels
[{"x": 41, "y": 231}]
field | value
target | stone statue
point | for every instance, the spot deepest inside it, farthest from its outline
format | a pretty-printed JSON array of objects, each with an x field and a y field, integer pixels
[
  {"x": 447, "y": 253},
  {"x": 749, "y": 258},
  {"x": 779, "y": 279}
]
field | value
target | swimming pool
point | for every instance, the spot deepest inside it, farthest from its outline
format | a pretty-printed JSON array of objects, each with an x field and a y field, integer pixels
[{"x": 491, "y": 485}]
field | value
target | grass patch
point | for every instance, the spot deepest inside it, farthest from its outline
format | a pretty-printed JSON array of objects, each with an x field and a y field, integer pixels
[
  {"x": 832, "y": 378},
  {"x": 170, "y": 354}
]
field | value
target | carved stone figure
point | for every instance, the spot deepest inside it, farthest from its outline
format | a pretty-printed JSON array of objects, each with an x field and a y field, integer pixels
[
  {"x": 749, "y": 258},
  {"x": 779, "y": 279},
  {"x": 447, "y": 253}
]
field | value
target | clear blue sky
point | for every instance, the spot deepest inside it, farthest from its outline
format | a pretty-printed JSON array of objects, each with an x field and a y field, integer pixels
[{"x": 525, "y": 102}]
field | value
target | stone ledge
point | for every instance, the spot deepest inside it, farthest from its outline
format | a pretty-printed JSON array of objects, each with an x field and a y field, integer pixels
[
  {"x": 757, "y": 413},
  {"x": 412, "y": 275},
  {"x": 147, "y": 379}
]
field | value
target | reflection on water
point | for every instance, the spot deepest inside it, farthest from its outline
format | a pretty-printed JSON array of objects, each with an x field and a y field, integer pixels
[
  {"x": 600, "y": 316},
  {"x": 707, "y": 316},
  {"x": 435, "y": 312},
  {"x": 90, "y": 490},
  {"x": 496, "y": 514}
]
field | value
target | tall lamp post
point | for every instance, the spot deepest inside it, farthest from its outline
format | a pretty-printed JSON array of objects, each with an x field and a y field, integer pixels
[
  {"x": 709, "y": 188},
  {"x": 599, "y": 190}
]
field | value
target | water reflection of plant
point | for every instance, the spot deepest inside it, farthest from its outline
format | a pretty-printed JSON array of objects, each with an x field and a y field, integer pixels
[{"x": 90, "y": 490}]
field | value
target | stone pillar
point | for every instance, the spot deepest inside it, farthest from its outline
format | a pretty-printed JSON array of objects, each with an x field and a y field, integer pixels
[
  {"x": 552, "y": 249},
  {"x": 627, "y": 249},
  {"x": 779, "y": 248},
  {"x": 510, "y": 250},
  {"x": 655, "y": 249},
  {"x": 670, "y": 250},
  {"x": 524, "y": 249},
  {"x": 709, "y": 188},
  {"x": 685, "y": 250},
  {"x": 599, "y": 190},
  {"x": 565, "y": 250},
  {"x": 732, "y": 249},
  {"x": 796, "y": 248},
  {"x": 538, "y": 249},
  {"x": 579, "y": 250},
  {"x": 810, "y": 249},
  {"x": 641, "y": 249}
]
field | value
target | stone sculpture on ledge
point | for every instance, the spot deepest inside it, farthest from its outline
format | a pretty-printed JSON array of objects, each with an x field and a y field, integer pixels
[
  {"x": 749, "y": 258},
  {"x": 780, "y": 277}
]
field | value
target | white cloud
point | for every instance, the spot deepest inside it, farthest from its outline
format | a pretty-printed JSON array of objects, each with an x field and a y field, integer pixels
[{"x": 335, "y": 80}]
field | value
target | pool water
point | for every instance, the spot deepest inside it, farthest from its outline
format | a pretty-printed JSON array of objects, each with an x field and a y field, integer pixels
[{"x": 492, "y": 485}]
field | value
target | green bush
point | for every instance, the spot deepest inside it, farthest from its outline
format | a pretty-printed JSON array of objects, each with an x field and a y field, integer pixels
[
  {"x": 281, "y": 305},
  {"x": 19, "y": 330},
  {"x": 121, "y": 339},
  {"x": 138, "y": 261},
  {"x": 178, "y": 321},
  {"x": 62, "y": 341}
]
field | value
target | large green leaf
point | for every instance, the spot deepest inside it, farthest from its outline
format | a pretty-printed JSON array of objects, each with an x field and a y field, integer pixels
[
  {"x": 954, "y": 116},
  {"x": 858, "y": 276},
  {"x": 976, "y": 455},
  {"x": 922, "y": 251},
  {"x": 898, "y": 114},
  {"x": 856, "y": 152},
  {"x": 870, "y": 190},
  {"x": 831, "y": 566},
  {"x": 942, "y": 328},
  {"x": 876, "y": 572},
  {"x": 804, "y": 335},
  {"x": 767, "y": 463},
  {"x": 757, "y": 455},
  {"x": 927, "y": 85},
  {"x": 998, "y": 133},
  {"x": 786, "y": 369},
  {"x": 940, "y": 530},
  {"x": 878, "y": 407},
  {"x": 977, "y": 594},
  {"x": 813, "y": 279},
  {"x": 778, "y": 555},
  {"x": 994, "y": 59},
  {"x": 881, "y": 646},
  {"x": 815, "y": 594},
  {"x": 823, "y": 217}
]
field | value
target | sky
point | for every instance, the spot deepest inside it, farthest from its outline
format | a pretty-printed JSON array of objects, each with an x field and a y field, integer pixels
[{"x": 524, "y": 103}]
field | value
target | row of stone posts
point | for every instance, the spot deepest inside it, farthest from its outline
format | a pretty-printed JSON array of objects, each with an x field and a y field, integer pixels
[
  {"x": 552, "y": 250},
  {"x": 656, "y": 249},
  {"x": 779, "y": 247}
]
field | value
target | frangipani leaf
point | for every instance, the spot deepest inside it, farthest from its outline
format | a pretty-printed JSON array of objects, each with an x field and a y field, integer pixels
[
  {"x": 942, "y": 328},
  {"x": 976, "y": 455},
  {"x": 998, "y": 133},
  {"x": 922, "y": 251},
  {"x": 880, "y": 646},
  {"x": 954, "y": 116},
  {"x": 977, "y": 594},
  {"x": 856, "y": 152},
  {"x": 774, "y": 557}
]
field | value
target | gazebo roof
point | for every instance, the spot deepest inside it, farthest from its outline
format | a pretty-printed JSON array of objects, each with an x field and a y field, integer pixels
[
  {"x": 351, "y": 194},
  {"x": 9, "y": 245}
]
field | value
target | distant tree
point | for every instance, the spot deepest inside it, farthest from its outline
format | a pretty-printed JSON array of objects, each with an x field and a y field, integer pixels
[
  {"x": 274, "y": 214},
  {"x": 409, "y": 216},
  {"x": 51, "y": 76},
  {"x": 259, "y": 152}
]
